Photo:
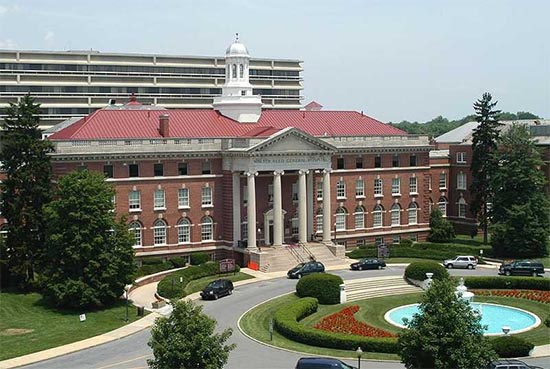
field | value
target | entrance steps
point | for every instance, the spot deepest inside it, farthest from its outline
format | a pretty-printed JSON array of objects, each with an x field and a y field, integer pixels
[{"x": 359, "y": 289}]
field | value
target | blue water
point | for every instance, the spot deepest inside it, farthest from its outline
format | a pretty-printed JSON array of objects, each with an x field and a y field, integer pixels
[{"x": 493, "y": 316}]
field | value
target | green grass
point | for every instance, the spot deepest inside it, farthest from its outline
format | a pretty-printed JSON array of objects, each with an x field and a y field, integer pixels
[
  {"x": 256, "y": 322},
  {"x": 27, "y": 325},
  {"x": 199, "y": 284}
]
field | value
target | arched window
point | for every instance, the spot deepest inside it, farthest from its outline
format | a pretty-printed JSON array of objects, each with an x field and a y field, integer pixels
[
  {"x": 135, "y": 228},
  {"x": 442, "y": 205},
  {"x": 159, "y": 232},
  {"x": 207, "y": 229},
  {"x": 319, "y": 218},
  {"x": 359, "y": 217},
  {"x": 461, "y": 208},
  {"x": 413, "y": 213},
  {"x": 377, "y": 216},
  {"x": 241, "y": 71},
  {"x": 234, "y": 72},
  {"x": 184, "y": 230},
  {"x": 395, "y": 215},
  {"x": 341, "y": 219}
]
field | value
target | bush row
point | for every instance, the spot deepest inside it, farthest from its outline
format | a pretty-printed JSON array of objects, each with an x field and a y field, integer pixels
[
  {"x": 508, "y": 283},
  {"x": 511, "y": 346},
  {"x": 286, "y": 322},
  {"x": 418, "y": 270},
  {"x": 324, "y": 287},
  {"x": 156, "y": 265},
  {"x": 175, "y": 290}
]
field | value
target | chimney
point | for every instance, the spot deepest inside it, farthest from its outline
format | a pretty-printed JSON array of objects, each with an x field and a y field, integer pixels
[{"x": 164, "y": 125}]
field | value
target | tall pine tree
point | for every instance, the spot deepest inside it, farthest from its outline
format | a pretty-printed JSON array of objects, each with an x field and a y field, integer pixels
[
  {"x": 521, "y": 211},
  {"x": 483, "y": 166},
  {"x": 26, "y": 189}
]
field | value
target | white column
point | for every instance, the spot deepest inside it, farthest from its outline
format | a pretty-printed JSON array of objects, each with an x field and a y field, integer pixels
[
  {"x": 277, "y": 209},
  {"x": 251, "y": 210},
  {"x": 236, "y": 207},
  {"x": 327, "y": 218},
  {"x": 310, "y": 209},
  {"x": 302, "y": 206}
]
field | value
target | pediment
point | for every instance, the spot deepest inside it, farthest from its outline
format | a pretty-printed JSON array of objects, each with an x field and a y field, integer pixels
[{"x": 292, "y": 140}]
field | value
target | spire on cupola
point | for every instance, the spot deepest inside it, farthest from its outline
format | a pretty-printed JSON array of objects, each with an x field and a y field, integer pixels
[{"x": 237, "y": 101}]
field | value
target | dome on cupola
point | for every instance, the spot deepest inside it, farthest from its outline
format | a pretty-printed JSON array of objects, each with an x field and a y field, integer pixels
[{"x": 237, "y": 48}]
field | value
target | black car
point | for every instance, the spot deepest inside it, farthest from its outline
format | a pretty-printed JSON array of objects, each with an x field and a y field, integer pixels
[
  {"x": 522, "y": 267},
  {"x": 303, "y": 269},
  {"x": 321, "y": 363},
  {"x": 217, "y": 288},
  {"x": 368, "y": 264}
]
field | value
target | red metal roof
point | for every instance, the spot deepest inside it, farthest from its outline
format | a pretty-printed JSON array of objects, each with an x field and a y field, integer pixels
[{"x": 189, "y": 123}]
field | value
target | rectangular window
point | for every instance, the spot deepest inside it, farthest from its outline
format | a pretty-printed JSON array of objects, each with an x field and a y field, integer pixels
[
  {"x": 245, "y": 195},
  {"x": 396, "y": 239},
  {"x": 360, "y": 243},
  {"x": 461, "y": 181},
  {"x": 413, "y": 188},
  {"x": 133, "y": 170},
  {"x": 295, "y": 192},
  {"x": 462, "y": 209},
  {"x": 270, "y": 193},
  {"x": 430, "y": 182},
  {"x": 413, "y": 237},
  {"x": 295, "y": 226},
  {"x": 359, "y": 162},
  {"x": 158, "y": 169},
  {"x": 320, "y": 190},
  {"x": 360, "y": 188},
  {"x": 461, "y": 157},
  {"x": 396, "y": 186},
  {"x": 378, "y": 240},
  {"x": 108, "y": 171},
  {"x": 395, "y": 160},
  {"x": 206, "y": 167},
  {"x": 207, "y": 233},
  {"x": 206, "y": 196},
  {"x": 378, "y": 187},
  {"x": 443, "y": 180},
  {"x": 319, "y": 223},
  {"x": 340, "y": 190},
  {"x": 182, "y": 169},
  {"x": 412, "y": 160},
  {"x": 378, "y": 161},
  {"x": 359, "y": 220},
  {"x": 159, "y": 199},
  {"x": 183, "y": 198},
  {"x": 134, "y": 200},
  {"x": 340, "y": 163}
]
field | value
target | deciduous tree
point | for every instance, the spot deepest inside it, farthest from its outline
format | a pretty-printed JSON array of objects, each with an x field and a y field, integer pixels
[
  {"x": 186, "y": 339},
  {"x": 441, "y": 230}
]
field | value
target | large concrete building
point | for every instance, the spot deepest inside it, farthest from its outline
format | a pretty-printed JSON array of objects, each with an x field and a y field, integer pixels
[{"x": 75, "y": 83}]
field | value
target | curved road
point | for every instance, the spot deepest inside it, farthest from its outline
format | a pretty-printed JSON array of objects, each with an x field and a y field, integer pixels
[{"x": 132, "y": 352}]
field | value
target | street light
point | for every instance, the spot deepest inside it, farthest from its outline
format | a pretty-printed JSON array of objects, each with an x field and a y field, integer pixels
[
  {"x": 335, "y": 240},
  {"x": 126, "y": 291},
  {"x": 359, "y": 353}
]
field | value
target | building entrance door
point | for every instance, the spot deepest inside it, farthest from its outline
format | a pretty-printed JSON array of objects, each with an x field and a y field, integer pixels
[{"x": 270, "y": 231}]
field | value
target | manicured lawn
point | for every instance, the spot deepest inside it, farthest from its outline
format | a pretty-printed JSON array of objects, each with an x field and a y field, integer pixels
[
  {"x": 27, "y": 326},
  {"x": 199, "y": 284},
  {"x": 256, "y": 322}
]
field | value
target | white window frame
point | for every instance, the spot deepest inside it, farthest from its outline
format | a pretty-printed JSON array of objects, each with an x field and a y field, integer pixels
[
  {"x": 442, "y": 205},
  {"x": 461, "y": 208},
  {"x": 295, "y": 192},
  {"x": 442, "y": 181},
  {"x": 319, "y": 219},
  {"x": 320, "y": 190},
  {"x": 461, "y": 157},
  {"x": 413, "y": 213},
  {"x": 377, "y": 217},
  {"x": 270, "y": 192},
  {"x": 294, "y": 226},
  {"x": 206, "y": 196},
  {"x": 340, "y": 190},
  {"x": 160, "y": 232},
  {"x": 396, "y": 186},
  {"x": 136, "y": 229},
  {"x": 159, "y": 201},
  {"x": 360, "y": 188},
  {"x": 183, "y": 198},
  {"x": 395, "y": 215},
  {"x": 461, "y": 181},
  {"x": 184, "y": 231},
  {"x": 413, "y": 185},
  {"x": 340, "y": 219},
  {"x": 134, "y": 200},
  {"x": 207, "y": 229},
  {"x": 359, "y": 216},
  {"x": 378, "y": 187}
]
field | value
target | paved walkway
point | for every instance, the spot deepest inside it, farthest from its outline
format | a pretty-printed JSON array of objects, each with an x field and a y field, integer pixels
[{"x": 144, "y": 296}]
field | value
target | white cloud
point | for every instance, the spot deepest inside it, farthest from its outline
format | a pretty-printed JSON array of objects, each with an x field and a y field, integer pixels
[
  {"x": 49, "y": 36},
  {"x": 7, "y": 43},
  {"x": 3, "y": 10}
]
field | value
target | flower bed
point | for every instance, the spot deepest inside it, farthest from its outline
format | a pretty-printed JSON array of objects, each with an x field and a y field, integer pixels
[
  {"x": 534, "y": 295},
  {"x": 344, "y": 322}
]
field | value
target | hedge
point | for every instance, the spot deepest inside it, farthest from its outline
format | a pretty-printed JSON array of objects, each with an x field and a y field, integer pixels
[
  {"x": 511, "y": 346},
  {"x": 199, "y": 258},
  {"x": 418, "y": 270},
  {"x": 156, "y": 265},
  {"x": 286, "y": 322},
  {"x": 168, "y": 290},
  {"x": 324, "y": 287},
  {"x": 508, "y": 283}
]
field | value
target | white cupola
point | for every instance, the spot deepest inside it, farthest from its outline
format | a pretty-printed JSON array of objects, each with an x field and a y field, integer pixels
[{"x": 237, "y": 101}]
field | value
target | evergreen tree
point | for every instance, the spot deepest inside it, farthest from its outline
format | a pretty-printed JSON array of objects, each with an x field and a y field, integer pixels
[
  {"x": 445, "y": 334},
  {"x": 483, "y": 166},
  {"x": 26, "y": 189},
  {"x": 89, "y": 256},
  {"x": 441, "y": 230},
  {"x": 186, "y": 339},
  {"x": 521, "y": 211}
]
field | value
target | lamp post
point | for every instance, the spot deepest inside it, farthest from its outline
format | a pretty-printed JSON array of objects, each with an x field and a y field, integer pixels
[
  {"x": 335, "y": 240},
  {"x": 359, "y": 353},
  {"x": 126, "y": 291}
]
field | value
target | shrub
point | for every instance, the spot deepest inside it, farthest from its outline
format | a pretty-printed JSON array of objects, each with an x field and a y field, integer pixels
[
  {"x": 199, "y": 258},
  {"x": 504, "y": 283},
  {"x": 406, "y": 242},
  {"x": 360, "y": 253},
  {"x": 178, "y": 262},
  {"x": 171, "y": 290},
  {"x": 511, "y": 346},
  {"x": 322, "y": 286},
  {"x": 441, "y": 230},
  {"x": 286, "y": 322},
  {"x": 152, "y": 261},
  {"x": 418, "y": 270}
]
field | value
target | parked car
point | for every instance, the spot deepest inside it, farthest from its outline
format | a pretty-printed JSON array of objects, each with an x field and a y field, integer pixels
[
  {"x": 217, "y": 288},
  {"x": 368, "y": 264},
  {"x": 467, "y": 261},
  {"x": 522, "y": 267},
  {"x": 322, "y": 363},
  {"x": 510, "y": 364},
  {"x": 303, "y": 269}
]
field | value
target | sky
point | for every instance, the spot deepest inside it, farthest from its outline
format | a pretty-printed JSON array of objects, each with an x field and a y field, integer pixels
[{"x": 392, "y": 59}]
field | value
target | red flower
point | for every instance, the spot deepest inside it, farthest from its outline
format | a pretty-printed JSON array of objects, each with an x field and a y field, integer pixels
[
  {"x": 534, "y": 295},
  {"x": 344, "y": 322}
]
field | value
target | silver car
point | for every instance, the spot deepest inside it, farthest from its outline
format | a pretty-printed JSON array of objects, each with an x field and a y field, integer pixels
[{"x": 468, "y": 261}]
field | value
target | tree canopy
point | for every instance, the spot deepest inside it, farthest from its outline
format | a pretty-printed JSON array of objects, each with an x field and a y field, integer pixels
[
  {"x": 185, "y": 339},
  {"x": 441, "y": 230},
  {"x": 445, "y": 334},
  {"x": 26, "y": 189},
  {"x": 521, "y": 211},
  {"x": 88, "y": 257}
]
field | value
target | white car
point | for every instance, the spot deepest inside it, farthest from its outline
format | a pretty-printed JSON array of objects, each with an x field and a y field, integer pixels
[{"x": 469, "y": 262}]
